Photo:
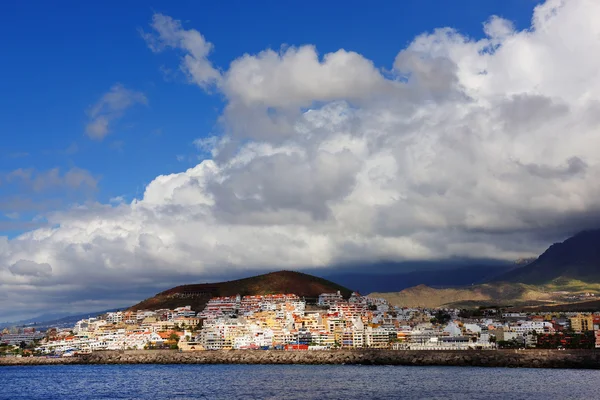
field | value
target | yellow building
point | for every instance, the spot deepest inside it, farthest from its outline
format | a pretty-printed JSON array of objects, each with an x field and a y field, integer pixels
[
  {"x": 582, "y": 323},
  {"x": 189, "y": 322},
  {"x": 191, "y": 346}
]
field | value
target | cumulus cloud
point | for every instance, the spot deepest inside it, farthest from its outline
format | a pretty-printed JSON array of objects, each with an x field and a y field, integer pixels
[
  {"x": 292, "y": 77},
  {"x": 480, "y": 148},
  {"x": 298, "y": 77},
  {"x": 498, "y": 28},
  {"x": 109, "y": 108}
]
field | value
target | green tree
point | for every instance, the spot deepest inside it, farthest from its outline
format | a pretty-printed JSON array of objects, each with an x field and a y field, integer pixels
[
  {"x": 508, "y": 344},
  {"x": 441, "y": 317}
]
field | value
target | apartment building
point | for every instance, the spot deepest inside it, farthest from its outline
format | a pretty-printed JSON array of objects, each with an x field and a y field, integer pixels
[
  {"x": 329, "y": 299},
  {"x": 114, "y": 317},
  {"x": 582, "y": 323},
  {"x": 377, "y": 338}
]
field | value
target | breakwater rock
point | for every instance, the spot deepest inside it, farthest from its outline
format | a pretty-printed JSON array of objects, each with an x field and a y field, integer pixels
[{"x": 588, "y": 359}]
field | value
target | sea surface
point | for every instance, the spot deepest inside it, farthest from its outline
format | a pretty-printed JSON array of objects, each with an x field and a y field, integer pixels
[{"x": 155, "y": 382}]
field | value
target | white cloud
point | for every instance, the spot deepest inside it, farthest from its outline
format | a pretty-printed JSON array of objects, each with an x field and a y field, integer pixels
[
  {"x": 498, "y": 28},
  {"x": 169, "y": 33},
  {"x": 468, "y": 148},
  {"x": 52, "y": 179},
  {"x": 110, "y": 108},
  {"x": 116, "y": 200},
  {"x": 297, "y": 77},
  {"x": 30, "y": 269}
]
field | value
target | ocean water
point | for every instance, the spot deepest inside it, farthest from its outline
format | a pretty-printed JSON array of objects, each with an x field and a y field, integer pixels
[{"x": 155, "y": 382}]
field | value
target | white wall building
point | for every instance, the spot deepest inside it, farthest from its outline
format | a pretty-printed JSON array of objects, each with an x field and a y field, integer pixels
[{"x": 328, "y": 299}]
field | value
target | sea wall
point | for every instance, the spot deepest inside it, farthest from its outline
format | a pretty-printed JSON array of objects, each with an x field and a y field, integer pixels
[{"x": 588, "y": 359}]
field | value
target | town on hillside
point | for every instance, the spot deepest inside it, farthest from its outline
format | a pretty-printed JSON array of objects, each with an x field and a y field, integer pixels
[{"x": 289, "y": 322}]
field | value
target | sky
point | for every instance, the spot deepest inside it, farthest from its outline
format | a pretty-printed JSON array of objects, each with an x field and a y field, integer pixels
[{"x": 148, "y": 145}]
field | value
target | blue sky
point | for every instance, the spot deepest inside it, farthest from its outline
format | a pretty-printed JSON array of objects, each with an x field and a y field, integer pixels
[
  {"x": 417, "y": 133},
  {"x": 60, "y": 58}
]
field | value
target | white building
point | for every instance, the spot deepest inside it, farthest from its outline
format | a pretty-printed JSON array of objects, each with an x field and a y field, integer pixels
[
  {"x": 453, "y": 329},
  {"x": 328, "y": 299},
  {"x": 472, "y": 328},
  {"x": 184, "y": 312},
  {"x": 523, "y": 327},
  {"x": 114, "y": 317}
]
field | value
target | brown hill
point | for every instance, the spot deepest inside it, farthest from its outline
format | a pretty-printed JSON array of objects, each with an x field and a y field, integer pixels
[
  {"x": 197, "y": 295},
  {"x": 559, "y": 292},
  {"x": 472, "y": 296}
]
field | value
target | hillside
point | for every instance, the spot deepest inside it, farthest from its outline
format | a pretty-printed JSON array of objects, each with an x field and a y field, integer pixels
[
  {"x": 583, "y": 306},
  {"x": 558, "y": 292},
  {"x": 197, "y": 295},
  {"x": 577, "y": 258},
  {"x": 477, "y": 295}
]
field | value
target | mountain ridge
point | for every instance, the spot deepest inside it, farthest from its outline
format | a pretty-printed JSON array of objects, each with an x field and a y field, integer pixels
[
  {"x": 577, "y": 257},
  {"x": 565, "y": 268}
]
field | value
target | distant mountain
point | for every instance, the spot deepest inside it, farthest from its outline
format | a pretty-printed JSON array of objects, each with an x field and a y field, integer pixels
[
  {"x": 53, "y": 320},
  {"x": 572, "y": 266},
  {"x": 577, "y": 258},
  {"x": 524, "y": 261},
  {"x": 394, "y": 282},
  {"x": 197, "y": 295},
  {"x": 37, "y": 319}
]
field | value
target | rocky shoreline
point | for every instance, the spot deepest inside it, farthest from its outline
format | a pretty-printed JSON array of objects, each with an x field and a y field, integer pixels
[{"x": 583, "y": 359}]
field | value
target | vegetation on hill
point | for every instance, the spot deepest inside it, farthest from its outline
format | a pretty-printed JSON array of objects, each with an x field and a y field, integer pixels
[
  {"x": 583, "y": 306},
  {"x": 197, "y": 295}
]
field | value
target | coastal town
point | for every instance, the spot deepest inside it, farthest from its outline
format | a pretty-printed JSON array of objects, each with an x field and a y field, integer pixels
[{"x": 289, "y": 322}]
